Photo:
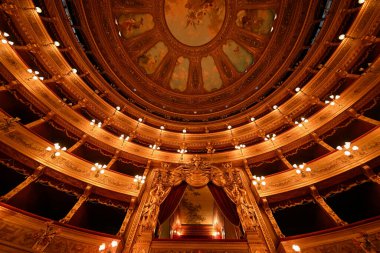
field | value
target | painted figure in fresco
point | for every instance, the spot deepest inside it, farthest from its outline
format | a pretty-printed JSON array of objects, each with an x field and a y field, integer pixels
[
  {"x": 197, "y": 9},
  {"x": 131, "y": 24}
]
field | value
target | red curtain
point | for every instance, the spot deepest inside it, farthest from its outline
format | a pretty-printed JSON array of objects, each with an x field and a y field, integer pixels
[
  {"x": 171, "y": 202},
  {"x": 225, "y": 204}
]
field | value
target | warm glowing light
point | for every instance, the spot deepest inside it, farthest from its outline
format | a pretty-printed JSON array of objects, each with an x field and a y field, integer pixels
[
  {"x": 258, "y": 181},
  {"x": 114, "y": 244},
  {"x": 140, "y": 120},
  {"x": 139, "y": 179},
  {"x": 229, "y": 127},
  {"x": 271, "y": 137},
  {"x": 162, "y": 127},
  {"x": 333, "y": 99},
  {"x": 296, "y": 248},
  {"x": 57, "y": 44},
  {"x": 118, "y": 108},
  {"x": 252, "y": 119},
  {"x": 275, "y": 107},
  {"x": 184, "y": 130},
  {"x": 182, "y": 151},
  {"x": 38, "y": 9},
  {"x": 102, "y": 247},
  {"x": 342, "y": 37},
  {"x": 99, "y": 168},
  {"x": 346, "y": 148},
  {"x": 301, "y": 169},
  {"x": 298, "y": 89},
  {"x": 241, "y": 146},
  {"x": 57, "y": 150},
  {"x": 361, "y": 1},
  {"x": 74, "y": 70}
]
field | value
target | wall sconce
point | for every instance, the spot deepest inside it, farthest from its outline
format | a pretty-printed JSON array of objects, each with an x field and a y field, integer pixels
[
  {"x": 270, "y": 137},
  {"x": 117, "y": 108},
  {"x": 56, "y": 150},
  {"x": 98, "y": 168},
  {"x": 93, "y": 124},
  {"x": 298, "y": 89},
  {"x": 258, "y": 181},
  {"x": 139, "y": 180},
  {"x": 124, "y": 139},
  {"x": 110, "y": 248},
  {"x": 300, "y": 169},
  {"x": 296, "y": 248},
  {"x": 301, "y": 122},
  {"x": 154, "y": 147},
  {"x": 347, "y": 147},
  {"x": 332, "y": 100},
  {"x": 4, "y": 40},
  {"x": 55, "y": 43},
  {"x": 37, "y": 9},
  {"x": 36, "y": 75},
  {"x": 240, "y": 147}
]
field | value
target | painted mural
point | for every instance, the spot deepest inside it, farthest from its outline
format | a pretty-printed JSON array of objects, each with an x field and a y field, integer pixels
[
  {"x": 256, "y": 21},
  {"x": 152, "y": 58},
  {"x": 197, "y": 206},
  {"x": 132, "y": 24},
  {"x": 180, "y": 74},
  {"x": 194, "y": 22},
  {"x": 210, "y": 74},
  {"x": 239, "y": 56}
]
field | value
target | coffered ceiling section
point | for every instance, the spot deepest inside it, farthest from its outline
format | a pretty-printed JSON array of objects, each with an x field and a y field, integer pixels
[{"x": 193, "y": 57}]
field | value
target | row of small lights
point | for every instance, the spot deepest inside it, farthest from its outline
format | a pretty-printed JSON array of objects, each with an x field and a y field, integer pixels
[
  {"x": 124, "y": 138},
  {"x": 154, "y": 146},
  {"x": 258, "y": 181},
  {"x": 302, "y": 169}
]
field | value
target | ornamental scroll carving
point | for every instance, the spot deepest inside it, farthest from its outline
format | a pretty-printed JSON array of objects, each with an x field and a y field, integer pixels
[{"x": 198, "y": 174}]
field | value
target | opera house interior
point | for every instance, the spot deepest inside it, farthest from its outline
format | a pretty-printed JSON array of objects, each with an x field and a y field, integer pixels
[{"x": 189, "y": 126}]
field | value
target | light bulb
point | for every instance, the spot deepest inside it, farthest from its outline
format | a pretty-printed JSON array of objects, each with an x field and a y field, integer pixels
[
  {"x": 342, "y": 37},
  {"x": 296, "y": 248},
  {"x": 57, "y": 44},
  {"x": 38, "y": 9}
]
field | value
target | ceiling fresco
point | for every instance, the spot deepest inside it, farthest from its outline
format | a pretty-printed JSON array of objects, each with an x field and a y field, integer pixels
[
  {"x": 131, "y": 25},
  {"x": 194, "y": 47},
  {"x": 194, "y": 22}
]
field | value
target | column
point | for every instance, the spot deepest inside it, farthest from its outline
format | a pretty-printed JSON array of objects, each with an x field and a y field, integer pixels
[
  {"x": 272, "y": 220},
  {"x": 78, "y": 144},
  {"x": 130, "y": 210},
  {"x": 283, "y": 159},
  {"x": 321, "y": 202},
  {"x": 32, "y": 178},
  {"x": 77, "y": 205},
  {"x": 370, "y": 174},
  {"x": 321, "y": 142}
]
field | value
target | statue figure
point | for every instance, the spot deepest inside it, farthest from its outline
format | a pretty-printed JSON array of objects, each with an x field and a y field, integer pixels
[
  {"x": 151, "y": 209},
  {"x": 238, "y": 195}
]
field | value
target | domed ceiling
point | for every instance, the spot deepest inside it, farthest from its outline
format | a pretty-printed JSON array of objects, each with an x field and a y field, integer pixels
[
  {"x": 193, "y": 60},
  {"x": 197, "y": 40}
]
